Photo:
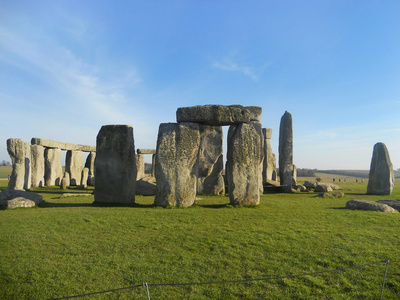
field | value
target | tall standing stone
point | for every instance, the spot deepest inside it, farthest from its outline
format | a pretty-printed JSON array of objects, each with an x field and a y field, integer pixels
[
  {"x": 52, "y": 166},
  {"x": 381, "y": 175},
  {"x": 16, "y": 150},
  {"x": 286, "y": 151},
  {"x": 37, "y": 165},
  {"x": 84, "y": 177},
  {"x": 74, "y": 166},
  {"x": 115, "y": 165},
  {"x": 90, "y": 165},
  {"x": 210, "y": 161},
  {"x": 244, "y": 163},
  {"x": 140, "y": 166},
  {"x": 28, "y": 166},
  {"x": 175, "y": 166},
  {"x": 269, "y": 164}
]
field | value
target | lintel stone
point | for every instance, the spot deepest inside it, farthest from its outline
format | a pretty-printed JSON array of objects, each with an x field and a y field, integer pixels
[{"x": 61, "y": 145}]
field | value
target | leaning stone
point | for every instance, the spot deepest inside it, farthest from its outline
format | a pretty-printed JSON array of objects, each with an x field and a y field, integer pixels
[
  {"x": 53, "y": 168},
  {"x": 244, "y": 163},
  {"x": 286, "y": 149},
  {"x": 381, "y": 176},
  {"x": 210, "y": 161},
  {"x": 369, "y": 205},
  {"x": 37, "y": 165},
  {"x": 176, "y": 156},
  {"x": 115, "y": 165},
  {"x": 16, "y": 150},
  {"x": 218, "y": 115},
  {"x": 392, "y": 203}
]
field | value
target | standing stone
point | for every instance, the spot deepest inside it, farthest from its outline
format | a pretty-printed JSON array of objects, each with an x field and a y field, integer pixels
[
  {"x": 115, "y": 165},
  {"x": 74, "y": 166},
  {"x": 153, "y": 165},
  {"x": 16, "y": 150},
  {"x": 175, "y": 167},
  {"x": 65, "y": 182},
  {"x": 286, "y": 150},
  {"x": 85, "y": 176},
  {"x": 28, "y": 168},
  {"x": 37, "y": 165},
  {"x": 244, "y": 163},
  {"x": 210, "y": 161},
  {"x": 90, "y": 165},
  {"x": 140, "y": 166},
  {"x": 269, "y": 164},
  {"x": 52, "y": 166},
  {"x": 381, "y": 176}
]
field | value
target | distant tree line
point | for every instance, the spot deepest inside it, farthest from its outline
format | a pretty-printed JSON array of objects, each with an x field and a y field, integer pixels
[
  {"x": 5, "y": 163},
  {"x": 306, "y": 172}
]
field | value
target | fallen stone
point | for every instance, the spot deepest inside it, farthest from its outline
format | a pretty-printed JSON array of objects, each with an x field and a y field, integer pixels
[
  {"x": 310, "y": 184},
  {"x": 146, "y": 186},
  {"x": 392, "y": 203},
  {"x": 65, "y": 195},
  {"x": 8, "y": 194},
  {"x": 323, "y": 188},
  {"x": 369, "y": 205},
  {"x": 20, "y": 202}
]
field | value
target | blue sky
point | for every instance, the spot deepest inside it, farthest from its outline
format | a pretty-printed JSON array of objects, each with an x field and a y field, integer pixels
[{"x": 69, "y": 67}]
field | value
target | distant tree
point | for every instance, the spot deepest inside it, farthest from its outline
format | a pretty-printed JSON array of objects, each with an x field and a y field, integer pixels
[
  {"x": 5, "y": 163},
  {"x": 318, "y": 179}
]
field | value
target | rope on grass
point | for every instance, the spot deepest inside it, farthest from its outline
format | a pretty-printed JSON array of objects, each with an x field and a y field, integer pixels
[{"x": 146, "y": 284}]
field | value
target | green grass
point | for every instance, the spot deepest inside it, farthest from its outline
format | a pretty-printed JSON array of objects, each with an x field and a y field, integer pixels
[
  {"x": 5, "y": 171},
  {"x": 70, "y": 247}
]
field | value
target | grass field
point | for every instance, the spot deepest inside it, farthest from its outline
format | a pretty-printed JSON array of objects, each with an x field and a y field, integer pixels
[{"x": 71, "y": 247}]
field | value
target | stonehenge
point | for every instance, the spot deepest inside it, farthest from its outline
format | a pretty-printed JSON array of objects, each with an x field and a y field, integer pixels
[{"x": 39, "y": 164}]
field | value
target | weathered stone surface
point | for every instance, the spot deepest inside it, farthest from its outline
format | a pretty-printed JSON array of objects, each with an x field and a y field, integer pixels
[
  {"x": 21, "y": 196},
  {"x": 210, "y": 162},
  {"x": 16, "y": 150},
  {"x": 28, "y": 168},
  {"x": 175, "y": 166},
  {"x": 65, "y": 181},
  {"x": 90, "y": 163},
  {"x": 269, "y": 162},
  {"x": 146, "y": 186},
  {"x": 286, "y": 149},
  {"x": 381, "y": 176},
  {"x": 37, "y": 165},
  {"x": 52, "y": 166},
  {"x": 115, "y": 165},
  {"x": 244, "y": 163},
  {"x": 74, "y": 166},
  {"x": 84, "y": 178},
  {"x": 146, "y": 151},
  {"x": 140, "y": 166},
  {"x": 20, "y": 202},
  {"x": 218, "y": 115},
  {"x": 323, "y": 188},
  {"x": 310, "y": 184},
  {"x": 392, "y": 203},
  {"x": 61, "y": 145},
  {"x": 369, "y": 205}
]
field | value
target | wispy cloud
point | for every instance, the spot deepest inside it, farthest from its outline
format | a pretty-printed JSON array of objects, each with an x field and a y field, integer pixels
[{"x": 233, "y": 67}]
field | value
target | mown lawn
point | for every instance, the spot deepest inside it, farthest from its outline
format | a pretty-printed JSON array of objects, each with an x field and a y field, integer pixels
[{"x": 71, "y": 247}]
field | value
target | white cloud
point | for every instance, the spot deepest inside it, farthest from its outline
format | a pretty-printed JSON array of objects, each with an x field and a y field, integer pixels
[{"x": 233, "y": 67}]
